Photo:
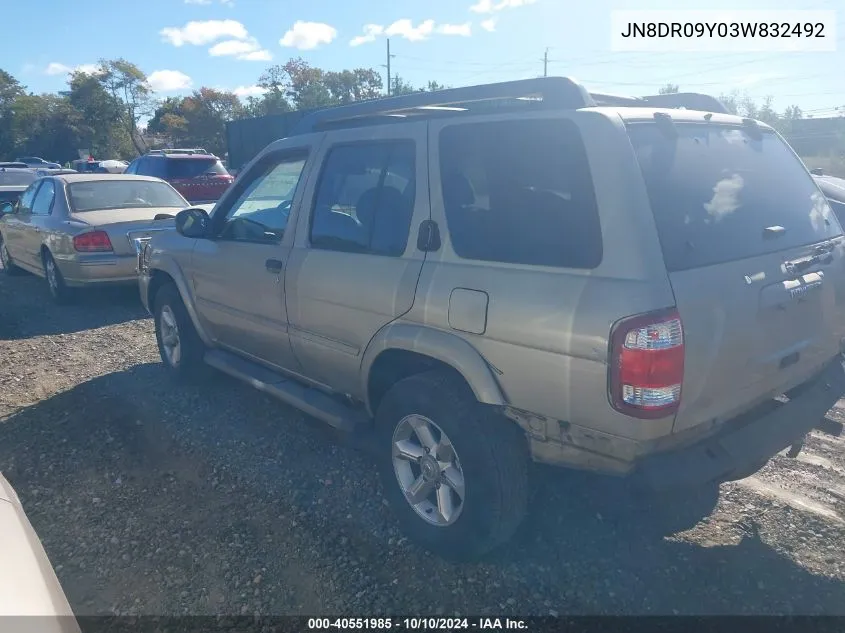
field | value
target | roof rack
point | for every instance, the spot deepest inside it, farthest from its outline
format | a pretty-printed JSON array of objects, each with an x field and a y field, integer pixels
[
  {"x": 194, "y": 150},
  {"x": 545, "y": 92}
]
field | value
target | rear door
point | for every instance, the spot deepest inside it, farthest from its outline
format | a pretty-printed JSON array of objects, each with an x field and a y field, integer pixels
[
  {"x": 755, "y": 259},
  {"x": 354, "y": 267}
]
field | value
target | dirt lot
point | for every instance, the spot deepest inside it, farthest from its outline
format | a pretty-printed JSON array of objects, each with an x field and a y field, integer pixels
[{"x": 152, "y": 498}]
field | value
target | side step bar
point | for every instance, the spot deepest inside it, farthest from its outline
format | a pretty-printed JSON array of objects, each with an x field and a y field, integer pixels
[{"x": 308, "y": 400}]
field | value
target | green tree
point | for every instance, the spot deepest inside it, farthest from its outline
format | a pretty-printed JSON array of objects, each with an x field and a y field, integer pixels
[
  {"x": 669, "y": 89},
  {"x": 10, "y": 90},
  {"x": 103, "y": 129},
  {"x": 128, "y": 84}
]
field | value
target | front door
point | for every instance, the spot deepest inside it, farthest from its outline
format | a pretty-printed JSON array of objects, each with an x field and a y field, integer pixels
[
  {"x": 238, "y": 274},
  {"x": 353, "y": 268}
]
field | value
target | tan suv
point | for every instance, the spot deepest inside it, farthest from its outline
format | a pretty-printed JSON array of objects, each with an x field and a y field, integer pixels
[{"x": 519, "y": 271}]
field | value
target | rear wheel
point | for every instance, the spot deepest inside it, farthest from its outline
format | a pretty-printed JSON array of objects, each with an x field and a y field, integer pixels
[
  {"x": 455, "y": 473},
  {"x": 9, "y": 267},
  {"x": 179, "y": 345},
  {"x": 55, "y": 282}
]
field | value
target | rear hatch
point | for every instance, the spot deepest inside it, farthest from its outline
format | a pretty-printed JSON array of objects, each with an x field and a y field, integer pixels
[
  {"x": 198, "y": 178},
  {"x": 755, "y": 259}
]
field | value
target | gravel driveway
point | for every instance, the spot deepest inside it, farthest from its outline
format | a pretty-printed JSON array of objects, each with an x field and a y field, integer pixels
[{"x": 153, "y": 498}]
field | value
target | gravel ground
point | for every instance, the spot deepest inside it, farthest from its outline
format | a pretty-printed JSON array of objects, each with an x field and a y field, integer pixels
[{"x": 152, "y": 498}]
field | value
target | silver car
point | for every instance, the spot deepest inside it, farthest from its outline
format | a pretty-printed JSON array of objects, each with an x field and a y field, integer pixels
[{"x": 84, "y": 229}]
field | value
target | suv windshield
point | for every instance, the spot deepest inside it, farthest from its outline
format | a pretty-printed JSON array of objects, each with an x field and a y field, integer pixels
[
  {"x": 16, "y": 177},
  {"x": 184, "y": 168},
  {"x": 122, "y": 194},
  {"x": 714, "y": 189}
]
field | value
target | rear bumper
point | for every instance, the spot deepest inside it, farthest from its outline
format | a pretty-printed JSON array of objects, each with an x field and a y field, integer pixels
[
  {"x": 98, "y": 269},
  {"x": 743, "y": 443}
]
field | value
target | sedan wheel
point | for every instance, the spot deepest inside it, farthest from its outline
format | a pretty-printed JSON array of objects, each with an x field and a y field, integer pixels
[
  {"x": 170, "y": 341},
  {"x": 55, "y": 282}
]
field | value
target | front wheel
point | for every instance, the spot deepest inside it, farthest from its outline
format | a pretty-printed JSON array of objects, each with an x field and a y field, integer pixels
[
  {"x": 455, "y": 472},
  {"x": 179, "y": 344}
]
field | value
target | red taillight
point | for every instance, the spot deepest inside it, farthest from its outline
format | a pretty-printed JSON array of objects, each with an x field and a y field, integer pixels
[
  {"x": 93, "y": 242},
  {"x": 647, "y": 365}
]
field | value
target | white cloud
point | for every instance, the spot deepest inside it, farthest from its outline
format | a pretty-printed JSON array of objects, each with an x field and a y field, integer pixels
[
  {"x": 249, "y": 91},
  {"x": 371, "y": 32},
  {"x": 55, "y": 68},
  {"x": 308, "y": 35},
  {"x": 489, "y": 24},
  {"x": 249, "y": 50},
  {"x": 168, "y": 80},
  {"x": 204, "y": 32},
  {"x": 262, "y": 55},
  {"x": 88, "y": 69},
  {"x": 464, "y": 30},
  {"x": 489, "y": 6},
  {"x": 405, "y": 28}
]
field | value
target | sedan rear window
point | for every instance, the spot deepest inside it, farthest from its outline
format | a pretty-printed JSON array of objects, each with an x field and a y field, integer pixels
[
  {"x": 184, "y": 168},
  {"x": 714, "y": 189},
  {"x": 17, "y": 178},
  {"x": 122, "y": 194}
]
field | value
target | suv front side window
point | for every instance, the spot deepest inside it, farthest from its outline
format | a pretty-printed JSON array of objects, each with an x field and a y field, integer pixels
[
  {"x": 520, "y": 192},
  {"x": 262, "y": 210},
  {"x": 365, "y": 199}
]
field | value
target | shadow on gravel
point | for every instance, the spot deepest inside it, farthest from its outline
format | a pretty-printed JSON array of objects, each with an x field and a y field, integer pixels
[
  {"x": 26, "y": 309},
  {"x": 208, "y": 499}
]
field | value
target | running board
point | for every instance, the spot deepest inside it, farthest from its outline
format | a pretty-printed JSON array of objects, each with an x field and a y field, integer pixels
[{"x": 306, "y": 399}]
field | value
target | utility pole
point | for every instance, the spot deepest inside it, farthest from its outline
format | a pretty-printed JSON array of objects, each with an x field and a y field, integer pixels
[
  {"x": 389, "y": 57},
  {"x": 545, "y": 62}
]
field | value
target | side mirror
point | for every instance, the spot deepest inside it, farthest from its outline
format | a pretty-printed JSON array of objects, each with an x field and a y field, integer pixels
[
  {"x": 6, "y": 208},
  {"x": 192, "y": 222}
]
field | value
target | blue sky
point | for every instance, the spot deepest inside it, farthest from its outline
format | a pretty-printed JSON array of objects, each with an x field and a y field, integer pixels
[{"x": 185, "y": 44}]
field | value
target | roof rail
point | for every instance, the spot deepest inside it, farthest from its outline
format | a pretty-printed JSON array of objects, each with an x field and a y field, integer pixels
[
  {"x": 194, "y": 150},
  {"x": 545, "y": 92}
]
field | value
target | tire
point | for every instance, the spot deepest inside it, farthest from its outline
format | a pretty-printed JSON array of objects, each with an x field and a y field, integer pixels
[
  {"x": 488, "y": 452},
  {"x": 59, "y": 290},
  {"x": 9, "y": 267},
  {"x": 183, "y": 356}
]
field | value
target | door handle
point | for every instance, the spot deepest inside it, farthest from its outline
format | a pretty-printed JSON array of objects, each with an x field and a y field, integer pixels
[{"x": 274, "y": 265}]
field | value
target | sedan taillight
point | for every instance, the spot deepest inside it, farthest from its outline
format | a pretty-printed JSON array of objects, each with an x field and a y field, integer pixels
[{"x": 93, "y": 242}]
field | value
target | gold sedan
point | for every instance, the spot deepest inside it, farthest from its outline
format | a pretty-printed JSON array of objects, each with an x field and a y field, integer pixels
[{"x": 79, "y": 230}]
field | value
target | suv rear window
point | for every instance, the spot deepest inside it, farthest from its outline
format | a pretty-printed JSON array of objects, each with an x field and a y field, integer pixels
[
  {"x": 714, "y": 189},
  {"x": 184, "y": 168}
]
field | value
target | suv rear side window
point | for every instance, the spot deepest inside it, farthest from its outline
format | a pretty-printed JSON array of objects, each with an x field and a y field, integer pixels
[
  {"x": 187, "y": 168},
  {"x": 365, "y": 199},
  {"x": 520, "y": 192},
  {"x": 714, "y": 189}
]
